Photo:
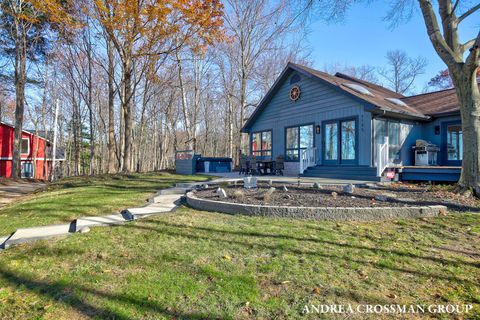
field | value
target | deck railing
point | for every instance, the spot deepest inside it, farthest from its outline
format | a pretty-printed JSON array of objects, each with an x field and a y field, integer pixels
[
  {"x": 308, "y": 158},
  {"x": 382, "y": 157}
]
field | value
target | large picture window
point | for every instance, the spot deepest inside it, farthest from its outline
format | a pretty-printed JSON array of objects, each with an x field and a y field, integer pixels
[
  {"x": 262, "y": 144},
  {"x": 297, "y": 139}
]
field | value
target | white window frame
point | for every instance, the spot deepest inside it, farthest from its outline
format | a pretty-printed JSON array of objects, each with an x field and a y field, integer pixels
[{"x": 28, "y": 145}]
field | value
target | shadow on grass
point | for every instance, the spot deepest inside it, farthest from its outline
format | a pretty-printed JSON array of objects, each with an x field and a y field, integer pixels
[
  {"x": 71, "y": 295},
  {"x": 322, "y": 241},
  {"x": 379, "y": 265}
]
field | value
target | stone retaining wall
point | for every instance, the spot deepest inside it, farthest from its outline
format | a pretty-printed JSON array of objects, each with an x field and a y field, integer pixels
[{"x": 315, "y": 213}]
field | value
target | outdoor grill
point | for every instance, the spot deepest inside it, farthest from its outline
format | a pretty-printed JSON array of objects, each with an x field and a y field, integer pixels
[{"x": 425, "y": 153}]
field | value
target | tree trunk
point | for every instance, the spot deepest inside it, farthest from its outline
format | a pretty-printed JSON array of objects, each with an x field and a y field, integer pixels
[
  {"x": 90, "y": 110},
  {"x": 20, "y": 75},
  {"x": 186, "y": 117},
  {"x": 127, "y": 114},
  {"x": 111, "y": 110},
  {"x": 77, "y": 133},
  {"x": 469, "y": 100}
]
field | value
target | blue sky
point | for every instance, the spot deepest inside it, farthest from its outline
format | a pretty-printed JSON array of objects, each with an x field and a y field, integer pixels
[{"x": 363, "y": 38}]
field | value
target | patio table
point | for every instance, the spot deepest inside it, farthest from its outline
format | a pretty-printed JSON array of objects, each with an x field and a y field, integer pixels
[{"x": 265, "y": 165}]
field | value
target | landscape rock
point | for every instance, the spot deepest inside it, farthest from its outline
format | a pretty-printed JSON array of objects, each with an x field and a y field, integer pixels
[
  {"x": 389, "y": 194},
  {"x": 221, "y": 193},
  {"x": 349, "y": 188},
  {"x": 316, "y": 185},
  {"x": 381, "y": 198},
  {"x": 84, "y": 230},
  {"x": 268, "y": 194}
]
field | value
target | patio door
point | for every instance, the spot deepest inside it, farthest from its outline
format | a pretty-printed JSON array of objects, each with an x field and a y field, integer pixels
[{"x": 340, "y": 142}]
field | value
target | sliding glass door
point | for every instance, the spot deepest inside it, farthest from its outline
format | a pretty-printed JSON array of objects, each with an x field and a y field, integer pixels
[{"x": 340, "y": 142}]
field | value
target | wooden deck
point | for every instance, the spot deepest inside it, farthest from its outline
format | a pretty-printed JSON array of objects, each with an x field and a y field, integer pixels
[{"x": 430, "y": 173}]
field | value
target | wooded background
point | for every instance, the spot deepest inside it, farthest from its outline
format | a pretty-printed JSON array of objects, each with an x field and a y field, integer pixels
[{"x": 137, "y": 80}]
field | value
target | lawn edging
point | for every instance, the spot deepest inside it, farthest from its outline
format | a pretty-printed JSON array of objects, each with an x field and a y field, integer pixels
[{"x": 315, "y": 213}]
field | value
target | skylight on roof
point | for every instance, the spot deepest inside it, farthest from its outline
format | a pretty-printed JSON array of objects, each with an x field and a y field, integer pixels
[
  {"x": 358, "y": 88},
  {"x": 396, "y": 101}
]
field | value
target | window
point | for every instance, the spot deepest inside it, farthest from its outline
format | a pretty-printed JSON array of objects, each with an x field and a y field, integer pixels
[
  {"x": 262, "y": 144},
  {"x": 358, "y": 88},
  {"x": 25, "y": 146},
  {"x": 331, "y": 141},
  {"x": 394, "y": 141},
  {"x": 454, "y": 142},
  {"x": 348, "y": 140},
  {"x": 297, "y": 139}
]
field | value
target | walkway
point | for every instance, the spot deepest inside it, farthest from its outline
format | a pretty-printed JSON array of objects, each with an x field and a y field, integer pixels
[
  {"x": 11, "y": 190},
  {"x": 164, "y": 201}
]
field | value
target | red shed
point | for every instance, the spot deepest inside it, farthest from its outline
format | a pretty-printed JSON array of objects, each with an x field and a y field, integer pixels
[{"x": 33, "y": 153}]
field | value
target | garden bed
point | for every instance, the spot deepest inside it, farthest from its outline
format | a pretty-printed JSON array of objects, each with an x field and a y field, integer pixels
[
  {"x": 326, "y": 203},
  {"x": 395, "y": 195}
]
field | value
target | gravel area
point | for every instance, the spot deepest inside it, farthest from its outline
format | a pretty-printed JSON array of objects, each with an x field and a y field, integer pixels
[{"x": 395, "y": 195}]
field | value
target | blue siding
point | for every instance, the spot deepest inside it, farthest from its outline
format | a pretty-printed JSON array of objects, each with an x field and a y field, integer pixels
[
  {"x": 318, "y": 102},
  {"x": 428, "y": 129},
  {"x": 407, "y": 154}
]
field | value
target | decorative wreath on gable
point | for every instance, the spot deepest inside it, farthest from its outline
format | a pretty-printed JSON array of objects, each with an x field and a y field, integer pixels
[{"x": 294, "y": 93}]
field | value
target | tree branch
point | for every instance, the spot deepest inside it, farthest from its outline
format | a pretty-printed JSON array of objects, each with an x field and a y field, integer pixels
[
  {"x": 467, "y": 45},
  {"x": 473, "y": 59},
  {"x": 433, "y": 30},
  {"x": 468, "y": 12}
]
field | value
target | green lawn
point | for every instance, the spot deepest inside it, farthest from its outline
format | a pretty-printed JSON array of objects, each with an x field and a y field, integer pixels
[
  {"x": 190, "y": 264},
  {"x": 71, "y": 198},
  {"x": 197, "y": 265}
]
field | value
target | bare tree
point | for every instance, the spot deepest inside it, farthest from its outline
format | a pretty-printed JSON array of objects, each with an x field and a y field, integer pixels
[
  {"x": 402, "y": 71},
  {"x": 255, "y": 27},
  {"x": 363, "y": 72}
]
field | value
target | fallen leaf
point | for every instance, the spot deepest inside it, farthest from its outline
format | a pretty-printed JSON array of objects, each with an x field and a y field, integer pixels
[
  {"x": 392, "y": 296},
  {"x": 227, "y": 257},
  {"x": 317, "y": 290}
]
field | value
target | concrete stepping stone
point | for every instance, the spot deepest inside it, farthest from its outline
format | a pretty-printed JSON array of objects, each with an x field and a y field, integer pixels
[
  {"x": 167, "y": 198},
  {"x": 2, "y": 241},
  {"x": 176, "y": 190},
  {"x": 188, "y": 184},
  {"x": 149, "y": 210},
  {"x": 112, "y": 219},
  {"x": 36, "y": 233}
]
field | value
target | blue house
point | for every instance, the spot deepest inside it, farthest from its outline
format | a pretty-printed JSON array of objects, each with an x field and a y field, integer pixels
[{"x": 337, "y": 126}]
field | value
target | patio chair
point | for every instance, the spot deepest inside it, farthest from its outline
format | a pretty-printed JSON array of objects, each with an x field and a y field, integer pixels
[
  {"x": 253, "y": 169},
  {"x": 279, "y": 165},
  {"x": 243, "y": 165}
]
